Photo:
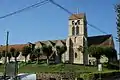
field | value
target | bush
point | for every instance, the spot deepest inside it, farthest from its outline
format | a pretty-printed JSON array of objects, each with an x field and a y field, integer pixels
[{"x": 95, "y": 76}]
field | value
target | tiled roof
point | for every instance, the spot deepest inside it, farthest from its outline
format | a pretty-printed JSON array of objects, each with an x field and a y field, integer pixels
[
  {"x": 93, "y": 40},
  {"x": 100, "y": 40},
  {"x": 77, "y": 16},
  {"x": 17, "y": 47}
]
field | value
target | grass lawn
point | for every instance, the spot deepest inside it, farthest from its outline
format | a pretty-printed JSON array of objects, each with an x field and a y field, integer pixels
[{"x": 33, "y": 68}]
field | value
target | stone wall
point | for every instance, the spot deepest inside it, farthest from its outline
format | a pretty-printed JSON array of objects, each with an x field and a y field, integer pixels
[{"x": 56, "y": 76}]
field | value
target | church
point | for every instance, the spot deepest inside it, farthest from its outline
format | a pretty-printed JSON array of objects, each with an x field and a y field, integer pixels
[{"x": 77, "y": 42}]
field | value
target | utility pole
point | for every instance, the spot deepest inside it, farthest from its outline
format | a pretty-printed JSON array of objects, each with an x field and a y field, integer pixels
[{"x": 6, "y": 52}]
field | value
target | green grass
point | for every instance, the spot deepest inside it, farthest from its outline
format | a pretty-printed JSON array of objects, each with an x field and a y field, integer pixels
[{"x": 34, "y": 68}]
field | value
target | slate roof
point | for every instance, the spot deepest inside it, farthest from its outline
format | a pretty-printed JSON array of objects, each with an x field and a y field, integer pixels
[{"x": 105, "y": 40}]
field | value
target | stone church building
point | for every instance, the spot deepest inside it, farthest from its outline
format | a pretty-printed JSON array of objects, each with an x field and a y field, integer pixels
[{"x": 77, "y": 42}]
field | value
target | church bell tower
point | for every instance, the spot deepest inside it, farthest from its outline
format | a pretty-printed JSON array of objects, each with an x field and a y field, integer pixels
[{"x": 77, "y": 40}]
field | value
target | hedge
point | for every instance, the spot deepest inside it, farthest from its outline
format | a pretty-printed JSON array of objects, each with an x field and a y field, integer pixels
[{"x": 95, "y": 76}]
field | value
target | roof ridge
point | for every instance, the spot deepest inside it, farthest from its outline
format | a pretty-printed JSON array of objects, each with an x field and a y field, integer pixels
[{"x": 100, "y": 35}]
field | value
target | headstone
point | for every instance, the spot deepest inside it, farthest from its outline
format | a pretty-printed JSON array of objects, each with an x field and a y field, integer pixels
[
  {"x": 99, "y": 67},
  {"x": 10, "y": 69}
]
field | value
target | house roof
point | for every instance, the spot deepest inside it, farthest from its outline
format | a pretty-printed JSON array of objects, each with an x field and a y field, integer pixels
[
  {"x": 93, "y": 40},
  {"x": 16, "y": 46},
  {"x": 105, "y": 40},
  {"x": 77, "y": 16}
]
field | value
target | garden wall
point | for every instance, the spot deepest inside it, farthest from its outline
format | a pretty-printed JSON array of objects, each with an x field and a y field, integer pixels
[{"x": 56, "y": 76}]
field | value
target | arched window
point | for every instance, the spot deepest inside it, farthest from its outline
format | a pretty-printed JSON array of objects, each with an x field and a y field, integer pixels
[
  {"x": 78, "y": 22},
  {"x": 75, "y": 23},
  {"x": 73, "y": 30},
  {"x": 75, "y": 39},
  {"x": 77, "y": 30},
  {"x": 75, "y": 55},
  {"x": 72, "y": 22}
]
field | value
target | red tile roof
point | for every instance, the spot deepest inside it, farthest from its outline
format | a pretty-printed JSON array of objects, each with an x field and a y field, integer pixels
[{"x": 17, "y": 47}]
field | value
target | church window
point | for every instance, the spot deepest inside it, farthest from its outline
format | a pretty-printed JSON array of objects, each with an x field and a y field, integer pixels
[
  {"x": 72, "y": 22},
  {"x": 73, "y": 30},
  {"x": 77, "y": 30},
  {"x": 75, "y": 23},
  {"x": 75, "y": 39},
  {"x": 78, "y": 22},
  {"x": 75, "y": 55}
]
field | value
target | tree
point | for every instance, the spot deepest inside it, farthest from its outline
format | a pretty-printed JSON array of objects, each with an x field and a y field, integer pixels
[
  {"x": 47, "y": 50},
  {"x": 15, "y": 53},
  {"x": 9, "y": 56},
  {"x": 110, "y": 53},
  {"x": 60, "y": 50},
  {"x": 0, "y": 55},
  {"x": 3, "y": 53},
  {"x": 26, "y": 51},
  {"x": 117, "y": 9},
  {"x": 96, "y": 51},
  {"x": 37, "y": 53}
]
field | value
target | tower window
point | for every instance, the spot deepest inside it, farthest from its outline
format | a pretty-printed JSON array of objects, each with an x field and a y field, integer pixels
[
  {"x": 75, "y": 39},
  {"x": 77, "y": 30},
  {"x": 72, "y": 22},
  {"x": 75, "y": 23},
  {"x": 73, "y": 30},
  {"x": 75, "y": 55},
  {"x": 78, "y": 22}
]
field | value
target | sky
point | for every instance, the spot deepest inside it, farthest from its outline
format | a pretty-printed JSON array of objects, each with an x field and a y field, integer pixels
[{"x": 49, "y": 22}]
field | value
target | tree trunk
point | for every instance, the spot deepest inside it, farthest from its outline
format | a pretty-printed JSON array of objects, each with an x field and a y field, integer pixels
[
  {"x": 60, "y": 58},
  {"x": 25, "y": 59},
  {"x": 37, "y": 60},
  {"x": 47, "y": 60},
  {"x": 97, "y": 61},
  {"x": 16, "y": 68},
  {"x": 9, "y": 59}
]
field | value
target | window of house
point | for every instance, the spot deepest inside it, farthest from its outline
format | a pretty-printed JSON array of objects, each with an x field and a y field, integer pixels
[
  {"x": 73, "y": 30},
  {"x": 78, "y": 22},
  {"x": 77, "y": 30},
  {"x": 75, "y": 23},
  {"x": 75, "y": 55},
  {"x": 75, "y": 39},
  {"x": 72, "y": 22}
]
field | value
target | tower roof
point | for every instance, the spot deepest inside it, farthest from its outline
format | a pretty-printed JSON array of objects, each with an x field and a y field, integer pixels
[{"x": 77, "y": 16}]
